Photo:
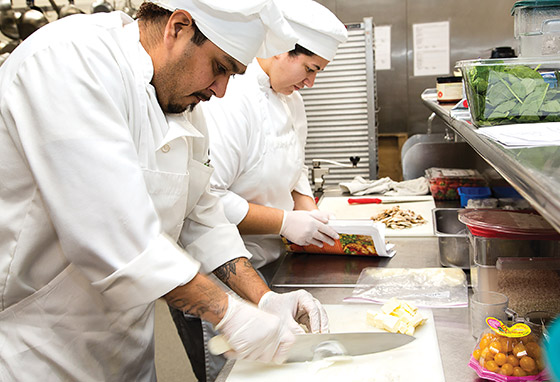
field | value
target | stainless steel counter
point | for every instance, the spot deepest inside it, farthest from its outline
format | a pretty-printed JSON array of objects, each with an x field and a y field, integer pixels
[
  {"x": 331, "y": 278},
  {"x": 334, "y": 271},
  {"x": 534, "y": 172}
]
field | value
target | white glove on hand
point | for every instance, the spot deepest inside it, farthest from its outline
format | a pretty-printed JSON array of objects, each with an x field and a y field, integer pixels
[
  {"x": 308, "y": 227},
  {"x": 254, "y": 334},
  {"x": 297, "y": 307}
]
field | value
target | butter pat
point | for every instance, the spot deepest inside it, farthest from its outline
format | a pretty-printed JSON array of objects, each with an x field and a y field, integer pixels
[
  {"x": 396, "y": 317},
  {"x": 390, "y": 306}
]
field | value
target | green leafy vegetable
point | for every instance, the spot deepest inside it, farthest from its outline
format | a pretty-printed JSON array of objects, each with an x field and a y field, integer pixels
[{"x": 503, "y": 94}]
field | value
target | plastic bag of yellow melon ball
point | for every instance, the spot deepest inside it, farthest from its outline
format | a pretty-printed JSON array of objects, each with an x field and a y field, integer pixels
[{"x": 508, "y": 354}]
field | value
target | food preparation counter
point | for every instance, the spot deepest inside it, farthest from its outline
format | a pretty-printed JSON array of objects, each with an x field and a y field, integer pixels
[
  {"x": 331, "y": 278},
  {"x": 534, "y": 172}
]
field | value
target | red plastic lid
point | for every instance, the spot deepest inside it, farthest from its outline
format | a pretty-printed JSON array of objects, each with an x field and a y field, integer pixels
[{"x": 505, "y": 224}]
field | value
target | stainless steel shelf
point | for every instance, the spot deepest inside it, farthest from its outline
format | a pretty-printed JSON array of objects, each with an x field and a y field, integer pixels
[{"x": 533, "y": 172}]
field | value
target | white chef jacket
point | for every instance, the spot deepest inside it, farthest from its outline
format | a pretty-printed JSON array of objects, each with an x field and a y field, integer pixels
[
  {"x": 95, "y": 183},
  {"x": 257, "y": 147}
]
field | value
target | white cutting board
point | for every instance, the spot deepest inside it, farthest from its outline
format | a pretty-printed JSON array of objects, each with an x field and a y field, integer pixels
[
  {"x": 339, "y": 206},
  {"x": 416, "y": 361}
]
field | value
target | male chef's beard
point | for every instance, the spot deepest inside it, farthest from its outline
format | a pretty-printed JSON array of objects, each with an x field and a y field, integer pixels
[{"x": 178, "y": 109}]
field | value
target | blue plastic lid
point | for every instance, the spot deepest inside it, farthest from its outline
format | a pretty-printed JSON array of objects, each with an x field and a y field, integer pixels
[
  {"x": 474, "y": 191},
  {"x": 506, "y": 192}
]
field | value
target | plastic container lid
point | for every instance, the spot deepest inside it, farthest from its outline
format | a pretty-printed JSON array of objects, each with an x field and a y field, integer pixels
[
  {"x": 452, "y": 173},
  {"x": 492, "y": 62},
  {"x": 503, "y": 52},
  {"x": 447, "y": 80},
  {"x": 481, "y": 192},
  {"x": 504, "y": 224},
  {"x": 506, "y": 192},
  {"x": 534, "y": 4}
]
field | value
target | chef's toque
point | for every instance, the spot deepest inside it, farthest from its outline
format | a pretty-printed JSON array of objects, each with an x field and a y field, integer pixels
[
  {"x": 317, "y": 28},
  {"x": 243, "y": 29}
]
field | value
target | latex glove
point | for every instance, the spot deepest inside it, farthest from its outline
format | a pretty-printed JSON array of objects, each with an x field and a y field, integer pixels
[
  {"x": 297, "y": 307},
  {"x": 254, "y": 334},
  {"x": 308, "y": 227}
]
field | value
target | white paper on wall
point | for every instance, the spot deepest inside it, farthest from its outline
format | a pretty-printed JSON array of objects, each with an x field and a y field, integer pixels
[
  {"x": 431, "y": 48},
  {"x": 382, "y": 47}
]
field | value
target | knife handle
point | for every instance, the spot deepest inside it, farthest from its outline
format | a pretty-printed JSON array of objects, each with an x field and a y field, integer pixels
[
  {"x": 364, "y": 201},
  {"x": 218, "y": 345}
]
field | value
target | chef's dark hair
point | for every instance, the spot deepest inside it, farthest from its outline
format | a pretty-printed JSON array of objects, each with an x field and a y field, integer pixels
[
  {"x": 300, "y": 50},
  {"x": 152, "y": 13}
]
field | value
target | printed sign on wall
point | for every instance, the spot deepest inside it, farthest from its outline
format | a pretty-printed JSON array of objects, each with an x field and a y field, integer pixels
[{"x": 431, "y": 48}]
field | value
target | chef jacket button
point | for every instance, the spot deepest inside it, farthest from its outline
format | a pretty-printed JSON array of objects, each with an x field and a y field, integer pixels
[{"x": 165, "y": 148}]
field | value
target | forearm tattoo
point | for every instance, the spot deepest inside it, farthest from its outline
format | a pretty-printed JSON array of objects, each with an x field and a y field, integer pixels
[
  {"x": 229, "y": 269},
  {"x": 206, "y": 301}
]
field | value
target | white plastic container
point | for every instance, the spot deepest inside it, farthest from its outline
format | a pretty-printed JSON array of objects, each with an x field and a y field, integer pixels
[{"x": 537, "y": 27}]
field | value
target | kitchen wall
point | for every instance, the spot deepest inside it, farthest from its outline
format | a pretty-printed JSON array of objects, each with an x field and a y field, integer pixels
[{"x": 476, "y": 27}]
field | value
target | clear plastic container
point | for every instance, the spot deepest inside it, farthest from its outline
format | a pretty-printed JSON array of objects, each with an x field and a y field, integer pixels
[
  {"x": 497, "y": 234},
  {"x": 537, "y": 27},
  {"x": 445, "y": 181},
  {"x": 512, "y": 90},
  {"x": 484, "y": 277},
  {"x": 482, "y": 203}
]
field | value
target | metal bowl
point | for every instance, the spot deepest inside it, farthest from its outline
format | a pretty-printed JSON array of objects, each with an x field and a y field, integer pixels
[
  {"x": 453, "y": 238},
  {"x": 30, "y": 21}
]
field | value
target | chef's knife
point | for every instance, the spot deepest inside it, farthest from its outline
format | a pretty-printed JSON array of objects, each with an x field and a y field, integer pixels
[
  {"x": 381, "y": 201},
  {"x": 357, "y": 343}
]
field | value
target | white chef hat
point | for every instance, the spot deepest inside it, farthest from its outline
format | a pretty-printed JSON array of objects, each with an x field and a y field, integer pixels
[
  {"x": 243, "y": 29},
  {"x": 317, "y": 28}
]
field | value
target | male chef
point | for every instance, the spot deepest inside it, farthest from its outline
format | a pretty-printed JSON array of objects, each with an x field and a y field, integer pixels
[{"x": 102, "y": 173}]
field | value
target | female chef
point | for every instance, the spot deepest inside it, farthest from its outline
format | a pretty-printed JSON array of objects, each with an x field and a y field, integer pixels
[{"x": 257, "y": 138}]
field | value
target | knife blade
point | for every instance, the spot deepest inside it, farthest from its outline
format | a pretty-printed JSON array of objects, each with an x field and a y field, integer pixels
[
  {"x": 357, "y": 343},
  {"x": 381, "y": 201},
  {"x": 353, "y": 344}
]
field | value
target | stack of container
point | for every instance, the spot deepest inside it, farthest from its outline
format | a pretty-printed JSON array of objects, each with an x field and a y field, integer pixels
[
  {"x": 514, "y": 253},
  {"x": 524, "y": 89}
]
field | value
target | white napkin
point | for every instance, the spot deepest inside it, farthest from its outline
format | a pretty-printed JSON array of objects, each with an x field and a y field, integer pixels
[
  {"x": 360, "y": 186},
  {"x": 418, "y": 186}
]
